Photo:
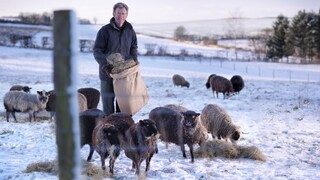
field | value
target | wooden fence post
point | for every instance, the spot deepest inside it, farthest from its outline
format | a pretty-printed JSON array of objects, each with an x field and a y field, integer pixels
[{"x": 65, "y": 81}]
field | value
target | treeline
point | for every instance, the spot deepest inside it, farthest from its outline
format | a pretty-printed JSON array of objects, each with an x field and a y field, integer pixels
[
  {"x": 298, "y": 37},
  {"x": 180, "y": 34},
  {"x": 36, "y": 19}
]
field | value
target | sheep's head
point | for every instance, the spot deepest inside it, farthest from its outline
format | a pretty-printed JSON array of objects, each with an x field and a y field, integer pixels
[
  {"x": 26, "y": 89},
  {"x": 148, "y": 127},
  {"x": 109, "y": 133},
  {"x": 235, "y": 136},
  {"x": 43, "y": 96},
  {"x": 190, "y": 121},
  {"x": 187, "y": 84}
]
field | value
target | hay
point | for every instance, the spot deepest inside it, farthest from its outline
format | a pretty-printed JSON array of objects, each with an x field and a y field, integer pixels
[
  {"x": 47, "y": 167},
  {"x": 119, "y": 64},
  {"x": 88, "y": 169},
  {"x": 218, "y": 148}
]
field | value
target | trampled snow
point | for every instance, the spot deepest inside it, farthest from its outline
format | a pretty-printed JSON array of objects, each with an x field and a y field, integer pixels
[{"x": 278, "y": 111}]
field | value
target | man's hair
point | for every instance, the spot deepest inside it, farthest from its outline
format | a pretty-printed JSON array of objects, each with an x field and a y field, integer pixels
[{"x": 120, "y": 5}]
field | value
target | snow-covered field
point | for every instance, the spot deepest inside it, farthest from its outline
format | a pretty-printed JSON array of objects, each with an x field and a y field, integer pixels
[{"x": 278, "y": 111}]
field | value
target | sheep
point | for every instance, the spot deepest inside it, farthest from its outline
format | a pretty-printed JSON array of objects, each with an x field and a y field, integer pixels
[
  {"x": 237, "y": 83},
  {"x": 20, "y": 88},
  {"x": 208, "y": 81},
  {"x": 88, "y": 121},
  {"x": 217, "y": 121},
  {"x": 221, "y": 84},
  {"x": 92, "y": 95},
  {"x": 179, "y": 128},
  {"x": 176, "y": 107},
  {"x": 179, "y": 80},
  {"x": 141, "y": 143},
  {"x": 109, "y": 137},
  {"x": 20, "y": 101},
  {"x": 216, "y": 148},
  {"x": 51, "y": 104}
]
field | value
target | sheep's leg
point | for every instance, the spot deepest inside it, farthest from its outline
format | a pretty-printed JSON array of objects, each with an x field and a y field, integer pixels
[
  {"x": 34, "y": 116},
  {"x": 148, "y": 160},
  {"x": 191, "y": 152},
  {"x": 183, "y": 150},
  {"x": 90, "y": 153},
  {"x": 8, "y": 114},
  {"x": 111, "y": 163},
  {"x": 103, "y": 157},
  {"x": 217, "y": 94},
  {"x": 138, "y": 168}
]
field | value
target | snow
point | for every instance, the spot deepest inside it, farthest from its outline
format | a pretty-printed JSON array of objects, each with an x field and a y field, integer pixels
[{"x": 278, "y": 111}]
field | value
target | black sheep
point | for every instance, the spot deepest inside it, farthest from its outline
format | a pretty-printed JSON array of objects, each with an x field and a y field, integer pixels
[
  {"x": 92, "y": 95},
  {"x": 179, "y": 128},
  {"x": 237, "y": 83},
  {"x": 88, "y": 121},
  {"x": 20, "y": 88}
]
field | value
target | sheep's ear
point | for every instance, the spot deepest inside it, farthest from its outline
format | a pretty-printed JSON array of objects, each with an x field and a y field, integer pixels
[
  {"x": 39, "y": 92},
  {"x": 48, "y": 93},
  {"x": 197, "y": 114},
  {"x": 141, "y": 122}
]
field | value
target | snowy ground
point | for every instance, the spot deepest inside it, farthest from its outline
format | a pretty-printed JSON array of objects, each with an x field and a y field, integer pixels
[{"x": 278, "y": 111}]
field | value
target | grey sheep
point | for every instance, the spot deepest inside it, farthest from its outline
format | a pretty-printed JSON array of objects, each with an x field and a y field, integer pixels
[
  {"x": 88, "y": 121},
  {"x": 20, "y": 101},
  {"x": 20, "y": 88},
  {"x": 179, "y": 80},
  {"x": 221, "y": 84},
  {"x": 179, "y": 128},
  {"x": 208, "y": 81},
  {"x": 217, "y": 121},
  {"x": 92, "y": 95},
  {"x": 237, "y": 83},
  {"x": 216, "y": 148},
  {"x": 109, "y": 137},
  {"x": 141, "y": 143},
  {"x": 51, "y": 104},
  {"x": 176, "y": 107}
]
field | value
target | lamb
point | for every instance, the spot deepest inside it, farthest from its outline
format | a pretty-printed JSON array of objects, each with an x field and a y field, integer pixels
[
  {"x": 92, "y": 95},
  {"x": 179, "y": 80},
  {"x": 109, "y": 137},
  {"x": 221, "y": 84},
  {"x": 237, "y": 83},
  {"x": 51, "y": 104},
  {"x": 179, "y": 128},
  {"x": 88, "y": 121},
  {"x": 208, "y": 81},
  {"x": 20, "y": 88},
  {"x": 217, "y": 121},
  {"x": 20, "y": 101},
  {"x": 141, "y": 143}
]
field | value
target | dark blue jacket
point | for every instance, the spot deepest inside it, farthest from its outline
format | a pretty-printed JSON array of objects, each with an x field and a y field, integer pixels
[{"x": 111, "y": 39}]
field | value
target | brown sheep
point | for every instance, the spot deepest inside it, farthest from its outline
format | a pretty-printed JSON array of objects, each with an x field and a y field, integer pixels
[
  {"x": 221, "y": 84},
  {"x": 217, "y": 121},
  {"x": 179, "y": 80},
  {"x": 109, "y": 137},
  {"x": 141, "y": 143}
]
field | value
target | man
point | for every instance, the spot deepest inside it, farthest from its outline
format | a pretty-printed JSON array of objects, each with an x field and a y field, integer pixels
[{"x": 116, "y": 37}]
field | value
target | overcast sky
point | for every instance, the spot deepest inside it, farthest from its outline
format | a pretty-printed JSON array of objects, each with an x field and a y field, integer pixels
[{"x": 149, "y": 11}]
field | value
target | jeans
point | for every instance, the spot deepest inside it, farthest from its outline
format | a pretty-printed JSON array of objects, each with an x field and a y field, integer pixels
[{"x": 108, "y": 97}]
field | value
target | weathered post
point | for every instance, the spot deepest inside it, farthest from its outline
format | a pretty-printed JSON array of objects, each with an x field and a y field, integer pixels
[{"x": 65, "y": 79}]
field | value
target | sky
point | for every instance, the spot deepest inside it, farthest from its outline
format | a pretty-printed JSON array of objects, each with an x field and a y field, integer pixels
[{"x": 149, "y": 12}]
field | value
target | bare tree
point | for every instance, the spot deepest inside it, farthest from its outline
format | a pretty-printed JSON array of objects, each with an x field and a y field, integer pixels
[{"x": 234, "y": 28}]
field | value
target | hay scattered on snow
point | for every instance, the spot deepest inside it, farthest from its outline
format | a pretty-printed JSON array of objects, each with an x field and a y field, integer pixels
[{"x": 218, "y": 148}]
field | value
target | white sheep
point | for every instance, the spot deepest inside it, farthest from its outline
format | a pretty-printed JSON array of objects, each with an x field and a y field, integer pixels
[
  {"x": 19, "y": 101},
  {"x": 219, "y": 123}
]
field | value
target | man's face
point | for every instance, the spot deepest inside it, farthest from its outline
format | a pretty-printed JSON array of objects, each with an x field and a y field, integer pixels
[{"x": 120, "y": 15}]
